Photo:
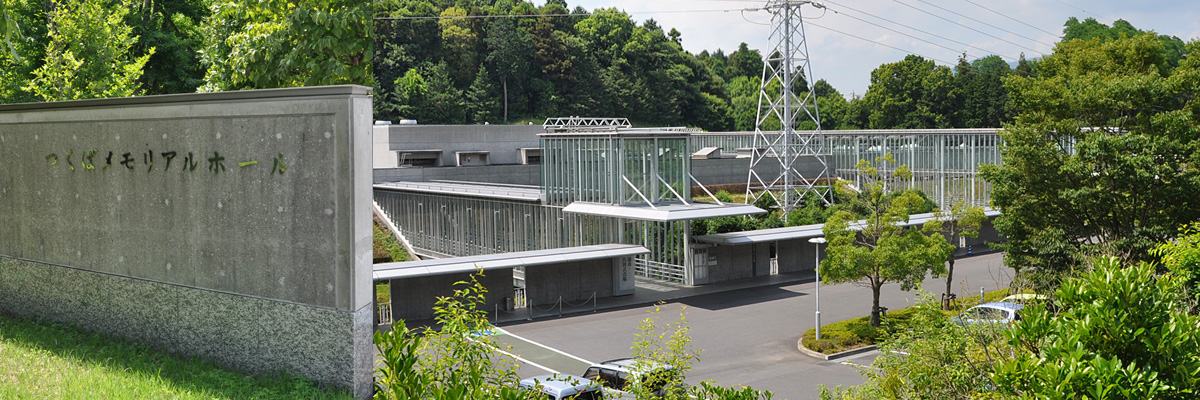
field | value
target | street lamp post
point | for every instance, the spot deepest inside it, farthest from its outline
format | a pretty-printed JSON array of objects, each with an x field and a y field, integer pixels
[{"x": 817, "y": 267}]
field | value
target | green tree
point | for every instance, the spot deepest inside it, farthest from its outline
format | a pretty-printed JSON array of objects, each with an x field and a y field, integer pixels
[
  {"x": 171, "y": 29},
  {"x": 460, "y": 41},
  {"x": 1024, "y": 67},
  {"x": 744, "y": 62},
  {"x": 26, "y": 38},
  {"x": 960, "y": 221},
  {"x": 882, "y": 251},
  {"x": 280, "y": 43},
  {"x": 832, "y": 104},
  {"x": 10, "y": 30},
  {"x": 1101, "y": 159},
  {"x": 481, "y": 98},
  {"x": 744, "y": 104},
  {"x": 912, "y": 93},
  {"x": 508, "y": 55},
  {"x": 445, "y": 103},
  {"x": 1121, "y": 335},
  {"x": 89, "y": 53},
  {"x": 411, "y": 94},
  {"x": 981, "y": 95},
  {"x": 401, "y": 45},
  {"x": 1173, "y": 48},
  {"x": 1182, "y": 259}
]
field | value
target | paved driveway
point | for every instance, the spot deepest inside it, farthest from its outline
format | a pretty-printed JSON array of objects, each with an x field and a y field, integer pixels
[{"x": 747, "y": 336}]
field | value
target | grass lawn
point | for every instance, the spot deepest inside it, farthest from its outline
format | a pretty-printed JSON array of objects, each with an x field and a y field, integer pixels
[
  {"x": 858, "y": 332},
  {"x": 383, "y": 293},
  {"x": 41, "y": 360}
]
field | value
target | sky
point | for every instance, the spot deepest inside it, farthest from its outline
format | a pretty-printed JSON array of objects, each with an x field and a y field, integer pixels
[{"x": 949, "y": 27}]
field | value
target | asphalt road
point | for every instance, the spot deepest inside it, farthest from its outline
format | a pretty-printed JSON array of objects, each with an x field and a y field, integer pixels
[{"x": 748, "y": 336}]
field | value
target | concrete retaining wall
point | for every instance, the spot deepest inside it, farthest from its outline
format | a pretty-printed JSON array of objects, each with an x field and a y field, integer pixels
[
  {"x": 413, "y": 299},
  {"x": 233, "y": 226},
  {"x": 574, "y": 282}
]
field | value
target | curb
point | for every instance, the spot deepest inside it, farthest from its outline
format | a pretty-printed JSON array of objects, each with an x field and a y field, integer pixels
[{"x": 834, "y": 356}]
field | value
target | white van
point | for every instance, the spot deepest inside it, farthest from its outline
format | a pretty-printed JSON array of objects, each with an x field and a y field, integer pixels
[
  {"x": 619, "y": 375},
  {"x": 563, "y": 387}
]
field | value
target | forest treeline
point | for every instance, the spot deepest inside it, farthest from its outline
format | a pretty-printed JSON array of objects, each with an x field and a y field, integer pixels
[
  {"x": 509, "y": 61},
  {"x": 469, "y": 62}
]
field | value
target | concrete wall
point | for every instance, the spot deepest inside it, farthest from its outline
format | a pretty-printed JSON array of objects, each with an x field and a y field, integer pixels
[
  {"x": 233, "y": 226},
  {"x": 508, "y": 174},
  {"x": 987, "y": 234},
  {"x": 503, "y": 142},
  {"x": 737, "y": 262},
  {"x": 413, "y": 299},
  {"x": 796, "y": 255},
  {"x": 574, "y": 282}
]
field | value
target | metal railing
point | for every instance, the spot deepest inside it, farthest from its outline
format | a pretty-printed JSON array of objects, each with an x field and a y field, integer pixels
[
  {"x": 658, "y": 270},
  {"x": 559, "y": 304},
  {"x": 384, "y": 312}
]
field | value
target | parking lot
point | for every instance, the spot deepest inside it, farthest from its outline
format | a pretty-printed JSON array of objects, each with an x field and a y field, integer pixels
[{"x": 748, "y": 336}]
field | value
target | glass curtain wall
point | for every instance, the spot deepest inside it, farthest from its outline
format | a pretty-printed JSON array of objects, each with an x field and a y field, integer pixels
[
  {"x": 594, "y": 168},
  {"x": 457, "y": 226},
  {"x": 945, "y": 163},
  {"x": 944, "y": 166},
  {"x": 579, "y": 168}
]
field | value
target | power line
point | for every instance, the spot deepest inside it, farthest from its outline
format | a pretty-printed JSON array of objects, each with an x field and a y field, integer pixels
[
  {"x": 968, "y": 27},
  {"x": 1080, "y": 9},
  {"x": 909, "y": 27},
  {"x": 976, "y": 70},
  {"x": 876, "y": 42},
  {"x": 1005, "y": 16},
  {"x": 990, "y": 25}
]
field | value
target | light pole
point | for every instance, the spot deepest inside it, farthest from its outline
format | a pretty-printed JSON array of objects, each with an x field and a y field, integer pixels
[{"x": 817, "y": 267}]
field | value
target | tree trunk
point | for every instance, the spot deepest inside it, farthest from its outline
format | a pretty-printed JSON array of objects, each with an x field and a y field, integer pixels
[
  {"x": 505, "y": 99},
  {"x": 875, "y": 305},
  {"x": 949, "y": 280}
]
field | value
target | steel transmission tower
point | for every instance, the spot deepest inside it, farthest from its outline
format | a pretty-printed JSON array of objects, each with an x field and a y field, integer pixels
[{"x": 786, "y": 64}]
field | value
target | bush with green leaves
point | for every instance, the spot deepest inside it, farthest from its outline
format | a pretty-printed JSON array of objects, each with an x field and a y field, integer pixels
[
  {"x": 1182, "y": 258},
  {"x": 933, "y": 359},
  {"x": 1122, "y": 334},
  {"x": 455, "y": 361}
]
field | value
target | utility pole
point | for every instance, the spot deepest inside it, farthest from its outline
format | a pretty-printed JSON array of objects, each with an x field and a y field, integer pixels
[{"x": 785, "y": 64}]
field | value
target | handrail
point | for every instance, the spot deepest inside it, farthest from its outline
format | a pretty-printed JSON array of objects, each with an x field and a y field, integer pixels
[
  {"x": 701, "y": 185},
  {"x": 664, "y": 182},
  {"x": 639, "y": 192}
]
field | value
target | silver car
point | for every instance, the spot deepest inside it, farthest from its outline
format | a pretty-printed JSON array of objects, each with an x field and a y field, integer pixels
[
  {"x": 990, "y": 313},
  {"x": 563, "y": 387}
]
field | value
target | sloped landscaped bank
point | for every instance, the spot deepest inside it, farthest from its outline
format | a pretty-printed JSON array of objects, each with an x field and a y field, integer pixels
[{"x": 40, "y": 360}]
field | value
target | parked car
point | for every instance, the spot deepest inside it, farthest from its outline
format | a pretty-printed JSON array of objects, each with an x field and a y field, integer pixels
[
  {"x": 563, "y": 387},
  {"x": 990, "y": 313},
  {"x": 619, "y": 376}
]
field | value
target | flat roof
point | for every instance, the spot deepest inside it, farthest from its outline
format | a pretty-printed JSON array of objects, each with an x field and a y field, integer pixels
[
  {"x": 801, "y": 232},
  {"x": 665, "y": 212},
  {"x": 443, "y": 266},
  {"x": 473, "y": 189}
]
